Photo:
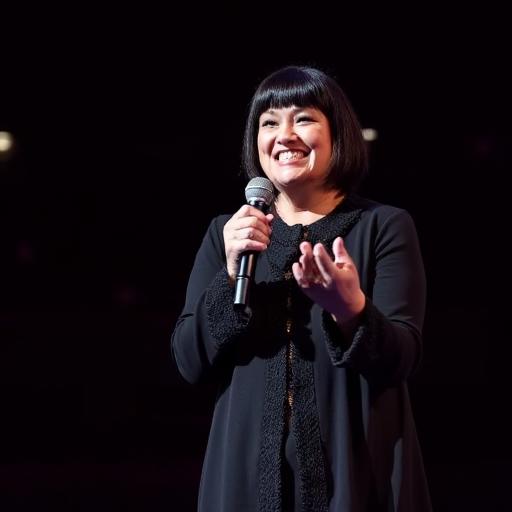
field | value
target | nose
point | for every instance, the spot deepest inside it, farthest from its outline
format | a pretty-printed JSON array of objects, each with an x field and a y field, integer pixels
[{"x": 286, "y": 133}]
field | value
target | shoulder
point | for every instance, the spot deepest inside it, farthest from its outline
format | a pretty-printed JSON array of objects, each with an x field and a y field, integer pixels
[
  {"x": 383, "y": 220},
  {"x": 214, "y": 233},
  {"x": 217, "y": 224},
  {"x": 371, "y": 208},
  {"x": 379, "y": 213}
]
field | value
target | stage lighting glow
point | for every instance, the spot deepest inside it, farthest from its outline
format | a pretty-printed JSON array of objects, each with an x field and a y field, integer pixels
[
  {"x": 369, "y": 134},
  {"x": 6, "y": 142}
]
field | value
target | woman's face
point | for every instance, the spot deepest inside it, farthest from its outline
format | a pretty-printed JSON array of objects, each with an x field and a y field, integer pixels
[{"x": 294, "y": 146}]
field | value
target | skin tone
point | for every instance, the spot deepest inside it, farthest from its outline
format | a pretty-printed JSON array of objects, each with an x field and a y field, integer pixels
[
  {"x": 334, "y": 285},
  {"x": 295, "y": 149}
]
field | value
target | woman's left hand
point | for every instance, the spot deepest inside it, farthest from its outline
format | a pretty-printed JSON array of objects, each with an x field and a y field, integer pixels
[{"x": 334, "y": 285}]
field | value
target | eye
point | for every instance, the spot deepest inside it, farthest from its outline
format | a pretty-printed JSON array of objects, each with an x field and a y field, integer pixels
[
  {"x": 304, "y": 119},
  {"x": 268, "y": 122}
]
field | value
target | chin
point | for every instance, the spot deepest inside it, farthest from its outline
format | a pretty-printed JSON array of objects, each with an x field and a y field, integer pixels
[{"x": 290, "y": 180}]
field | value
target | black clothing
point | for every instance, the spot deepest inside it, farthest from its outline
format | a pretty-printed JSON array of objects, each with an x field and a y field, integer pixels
[{"x": 285, "y": 367}]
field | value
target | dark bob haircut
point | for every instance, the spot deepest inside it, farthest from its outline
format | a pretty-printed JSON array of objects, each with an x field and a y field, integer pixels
[{"x": 310, "y": 87}]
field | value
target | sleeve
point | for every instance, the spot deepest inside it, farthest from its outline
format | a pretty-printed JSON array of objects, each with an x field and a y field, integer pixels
[
  {"x": 386, "y": 345},
  {"x": 208, "y": 323}
]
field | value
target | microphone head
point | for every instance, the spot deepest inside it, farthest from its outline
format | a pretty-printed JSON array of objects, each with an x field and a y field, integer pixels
[{"x": 260, "y": 189}]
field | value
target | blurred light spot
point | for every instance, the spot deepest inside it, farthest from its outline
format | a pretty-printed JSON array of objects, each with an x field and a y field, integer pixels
[
  {"x": 7, "y": 146},
  {"x": 369, "y": 134},
  {"x": 6, "y": 142}
]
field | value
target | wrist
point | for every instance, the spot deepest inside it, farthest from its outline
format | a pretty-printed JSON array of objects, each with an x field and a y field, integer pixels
[
  {"x": 349, "y": 317},
  {"x": 230, "y": 276}
]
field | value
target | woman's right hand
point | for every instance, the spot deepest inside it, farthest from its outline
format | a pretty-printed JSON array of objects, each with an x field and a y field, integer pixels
[{"x": 248, "y": 230}]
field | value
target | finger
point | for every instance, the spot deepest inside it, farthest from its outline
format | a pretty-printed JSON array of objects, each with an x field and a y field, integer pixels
[
  {"x": 251, "y": 222},
  {"x": 340, "y": 252},
  {"x": 311, "y": 271},
  {"x": 306, "y": 259},
  {"x": 250, "y": 211},
  {"x": 305, "y": 248},
  {"x": 298, "y": 274},
  {"x": 303, "y": 280},
  {"x": 240, "y": 246},
  {"x": 325, "y": 265},
  {"x": 270, "y": 218},
  {"x": 251, "y": 234}
]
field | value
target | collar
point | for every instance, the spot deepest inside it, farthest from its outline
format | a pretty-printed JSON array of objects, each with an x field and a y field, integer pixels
[
  {"x": 336, "y": 223},
  {"x": 284, "y": 246}
]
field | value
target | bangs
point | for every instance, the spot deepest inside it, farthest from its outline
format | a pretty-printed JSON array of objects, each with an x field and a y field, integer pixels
[{"x": 287, "y": 92}]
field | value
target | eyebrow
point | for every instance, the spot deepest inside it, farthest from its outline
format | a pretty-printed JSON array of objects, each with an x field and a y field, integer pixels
[{"x": 294, "y": 109}]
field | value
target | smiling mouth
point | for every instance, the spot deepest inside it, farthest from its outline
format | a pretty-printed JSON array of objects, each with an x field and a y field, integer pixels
[{"x": 290, "y": 156}]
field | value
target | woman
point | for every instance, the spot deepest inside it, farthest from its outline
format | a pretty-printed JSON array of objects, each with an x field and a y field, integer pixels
[{"x": 312, "y": 411}]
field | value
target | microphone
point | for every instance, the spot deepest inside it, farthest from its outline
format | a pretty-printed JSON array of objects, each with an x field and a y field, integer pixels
[{"x": 259, "y": 193}]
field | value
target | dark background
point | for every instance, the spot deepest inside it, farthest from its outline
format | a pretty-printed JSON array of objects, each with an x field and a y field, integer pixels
[{"x": 128, "y": 125}]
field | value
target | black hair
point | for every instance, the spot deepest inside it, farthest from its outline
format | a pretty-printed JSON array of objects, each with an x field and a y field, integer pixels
[{"x": 310, "y": 87}]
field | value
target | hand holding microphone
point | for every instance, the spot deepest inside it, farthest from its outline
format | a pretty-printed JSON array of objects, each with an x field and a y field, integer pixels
[{"x": 246, "y": 234}]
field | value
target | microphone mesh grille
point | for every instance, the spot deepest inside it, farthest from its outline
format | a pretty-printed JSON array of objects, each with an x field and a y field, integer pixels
[{"x": 260, "y": 188}]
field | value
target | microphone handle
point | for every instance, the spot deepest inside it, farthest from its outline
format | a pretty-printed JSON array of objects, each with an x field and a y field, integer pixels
[
  {"x": 243, "y": 278},
  {"x": 247, "y": 266}
]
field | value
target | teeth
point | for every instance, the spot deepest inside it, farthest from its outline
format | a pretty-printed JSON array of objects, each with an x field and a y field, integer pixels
[{"x": 290, "y": 155}]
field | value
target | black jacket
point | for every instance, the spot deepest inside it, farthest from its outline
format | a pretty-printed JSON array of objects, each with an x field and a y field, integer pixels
[{"x": 350, "y": 415}]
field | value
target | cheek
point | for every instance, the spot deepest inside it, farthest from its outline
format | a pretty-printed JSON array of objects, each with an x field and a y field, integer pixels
[
  {"x": 323, "y": 146},
  {"x": 263, "y": 144},
  {"x": 264, "y": 161},
  {"x": 262, "y": 155},
  {"x": 264, "y": 151},
  {"x": 320, "y": 138}
]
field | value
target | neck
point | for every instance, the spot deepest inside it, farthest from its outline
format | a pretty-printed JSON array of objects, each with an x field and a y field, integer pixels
[{"x": 307, "y": 208}]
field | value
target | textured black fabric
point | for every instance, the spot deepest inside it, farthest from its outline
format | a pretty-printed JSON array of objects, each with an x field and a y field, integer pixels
[
  {"x": 291, "y": 486},
  {"x": 281, "y": 254},
  {"x": 224, "y": 323},
  {"x": 273, "y": 428},
  {"x": 355, "y": 438}
]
